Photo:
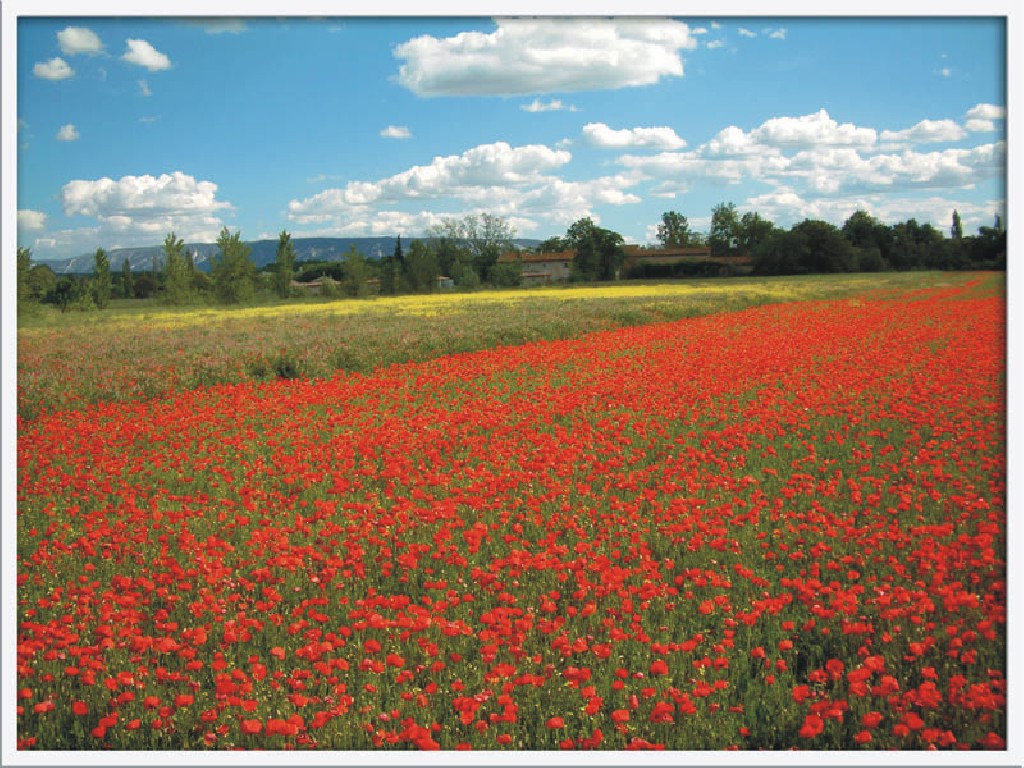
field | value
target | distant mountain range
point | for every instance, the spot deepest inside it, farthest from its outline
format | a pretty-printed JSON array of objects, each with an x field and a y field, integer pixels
[{"x": 263, "y": 252}]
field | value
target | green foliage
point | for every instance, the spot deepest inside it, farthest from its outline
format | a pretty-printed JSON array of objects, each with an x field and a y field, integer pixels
[
  {"x": 101, "y": 280},
  {"x": 674, "y": 231},
  {"x": 724, "y": 235},
  {"x": 233, "y": 274},
  {"x": 41, "y": 281},
  {"x": 421, "y": 268},
  {"x": 355, "y": 273},
  {"x": 475, "y": 241},
  {"x": 507, "y": 274},
  {"x": 24, "y": 267},
  {"x": 753, "y": 230},
  {"x": 127, "y": 282},
  {"x": 809, "y": 247},
  {"x": 285, "y": 265},
  {"x": 177, "y": 276},
  {"x": 599, "y": 253},
  {"x": 552, "y": 245}
]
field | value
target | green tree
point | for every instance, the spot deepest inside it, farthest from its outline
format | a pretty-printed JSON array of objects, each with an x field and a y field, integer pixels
[
  {"x": 41, "y": 281},
  {"x": 957, "y": 230},
  {"x": 102, "y": 283},
  {"x": 674, "y": 230},
  {"x": 724, "y": 234},
  {"x": 232, "y": 272},
  {"x": 421, "y": 268},
  {"x": 177, "y": 280},
  {"x": 872, "y": 240},
  {"x": 753, "y": 230},
  {"x": 552, "y": 245},
  {"x": 24, "y": 268},
  {"x": 823, "y": 248},
  {"x": 127, "y": 283},
  {"x": 507, "y": 274},
  {"x": 355, "y": 272},
  {"x": 285, "y": 261},
  {"x": 64, "y": 293},
  {"x": 599, "y": 252},
  {"x": 470, "y": 244}
]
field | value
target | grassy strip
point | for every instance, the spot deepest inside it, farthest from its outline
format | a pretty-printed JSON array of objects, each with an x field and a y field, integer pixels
[{"x": 136, "y": 351}]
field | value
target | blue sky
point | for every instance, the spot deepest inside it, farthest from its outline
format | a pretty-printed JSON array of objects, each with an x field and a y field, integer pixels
[{"x": 128, "y": 128}]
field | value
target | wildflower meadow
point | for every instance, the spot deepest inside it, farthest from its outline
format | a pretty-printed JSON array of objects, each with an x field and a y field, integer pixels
[{"x": 782, "y": 526}]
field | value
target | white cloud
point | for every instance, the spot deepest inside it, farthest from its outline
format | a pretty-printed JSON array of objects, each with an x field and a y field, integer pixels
[
  {"x": 986, "y": 112},
  {"x": 811, "y": 130},
  {"x": 524, "y": 56},
  {"x": 927, "y": 131},
  {"x": 67, "y": 133},
  {"x": 144, "y": 88},
  {"x": 29, "y": 220},
  {"x": 815, "y": 158},
  {"x": 661, "y": 137},
  {"x": 555, "y": 105},
  {"x": 744, "y": 32},
  {"x": 134, "y": 211},
  {"x": 974, "y": 125},
  {"x": 514, "y": 182},
  {"x": 699, "y": 31},
  {"x": 75, "y": 40},
  {"x": 945, "y": 71},
  {"x": 712, "y": 44},
  {"x": 54, "y": 69},
  {"x": 145, "y": 55},
  {"x": 396, "y": 132},
  {"x": 482, "y": 167},
  {"x": 776, "y": 34}
]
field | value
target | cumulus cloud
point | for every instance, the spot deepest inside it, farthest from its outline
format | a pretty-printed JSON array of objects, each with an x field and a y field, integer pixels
[
  {"x": 712, "y": 44},
  {"x": 54, "y": 69},
  {"x": 809, "y": 130},
  {"x": 982, "y": 118},
  {"x": 482, "y": 167},
  {"x": 75, "y": 40},
  {"x": 396, "y": 132},
  {"x": 662, "y": 137},
  {"x": 555, "y": 105},
  {"x": 817, "y": 161},
  {"x": 514, "y": 182},
  {"x": 524, "y": 56},
  {"x": 776, "y": 34},
  {"x": 986, "y": 112},
  {"x": 145, "y": 55},
  {"x": 136, "y": 210},
  {"x": 67, "y": 133},
  {"x": 974, "y": 125},
  {"x": 744, "y": 32},
  {"x": 29, "y": 220},
  {"x": 927, "y": 131}
]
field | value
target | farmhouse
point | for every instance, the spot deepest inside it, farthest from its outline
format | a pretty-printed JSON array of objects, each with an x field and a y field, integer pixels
[
  {"x": 311, "y": 288},
  {"x": 674, "y": 262},
  {"x": 539, "y": 268}
]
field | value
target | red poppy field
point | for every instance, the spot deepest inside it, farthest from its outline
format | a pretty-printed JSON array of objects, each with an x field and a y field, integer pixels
[{"x": 776, "y": 528}]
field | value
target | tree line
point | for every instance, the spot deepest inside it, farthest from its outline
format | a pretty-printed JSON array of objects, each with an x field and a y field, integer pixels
[
  {"x": 861, "y": 244},
  {"x": 466, "y": 251}
]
